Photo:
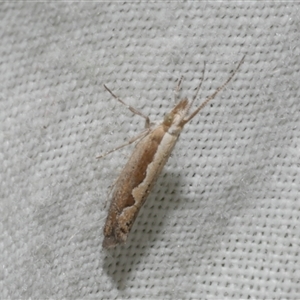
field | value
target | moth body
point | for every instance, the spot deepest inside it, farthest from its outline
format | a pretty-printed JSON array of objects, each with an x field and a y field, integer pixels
[{"x": 139, "y": 175}]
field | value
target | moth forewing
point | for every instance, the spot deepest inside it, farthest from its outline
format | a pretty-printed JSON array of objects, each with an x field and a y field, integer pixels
[{"x": 145, "y": 164}]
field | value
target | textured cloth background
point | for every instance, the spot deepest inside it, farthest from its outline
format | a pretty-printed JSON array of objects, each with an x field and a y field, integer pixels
[{"x": 223, "y": 220}]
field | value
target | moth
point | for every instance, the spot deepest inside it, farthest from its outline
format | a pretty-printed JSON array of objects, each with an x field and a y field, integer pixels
[{"x": 146, "y": 163}]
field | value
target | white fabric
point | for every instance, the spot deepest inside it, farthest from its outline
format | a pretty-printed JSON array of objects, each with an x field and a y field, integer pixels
[{"x": 223, "y": 218}]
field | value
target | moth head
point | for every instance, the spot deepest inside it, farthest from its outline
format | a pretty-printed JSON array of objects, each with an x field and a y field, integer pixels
[
  {"x": 168, "y": 119},
  {"x": 177, "y": 113}
]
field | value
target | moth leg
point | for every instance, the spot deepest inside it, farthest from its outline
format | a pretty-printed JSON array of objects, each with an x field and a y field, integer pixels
[
  {"x": 112, "y": 186},
  {"x": 132, "y": 109},
  {"x": 139, "y": 136}
]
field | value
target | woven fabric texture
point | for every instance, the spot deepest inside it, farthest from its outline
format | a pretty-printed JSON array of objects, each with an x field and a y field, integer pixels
[{"x": 223, "y": 220}]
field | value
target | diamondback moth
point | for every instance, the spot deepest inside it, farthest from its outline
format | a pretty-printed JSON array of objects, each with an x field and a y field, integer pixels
[{"x": 146, "y": 163}]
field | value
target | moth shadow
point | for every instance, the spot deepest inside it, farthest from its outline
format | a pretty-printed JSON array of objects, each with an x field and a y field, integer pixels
[{"x": 144, "y": 238}]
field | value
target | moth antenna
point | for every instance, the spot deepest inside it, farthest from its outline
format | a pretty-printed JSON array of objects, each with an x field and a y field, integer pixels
[
  {"x": 177, "y": 89},
  {"x": 215, "y": 93},
  {"x": 199, "y": 86}
]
